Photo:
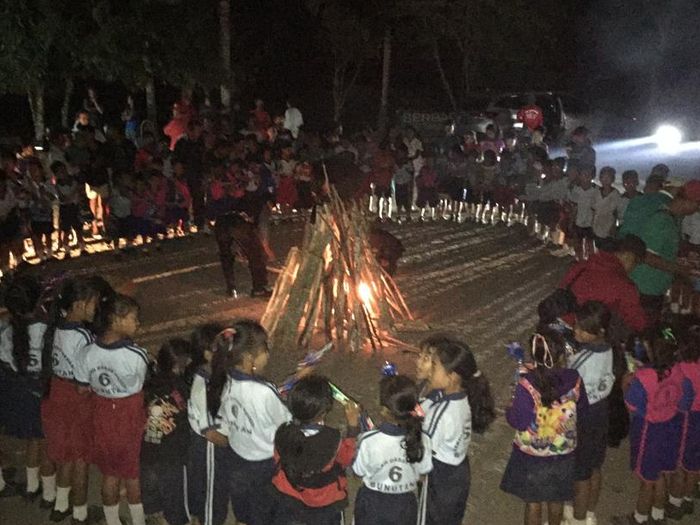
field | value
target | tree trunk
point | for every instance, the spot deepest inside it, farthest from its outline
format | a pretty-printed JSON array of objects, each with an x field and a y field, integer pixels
[
  {"x": 466, "y": 79},
  {"x": 151, "y": 106},
  {"x": 36, "y": 105},
  {"x": 65, "y": 107},
  {"x": 386, "y": 73},
  {"x": 225, "y": 41},
  {"x": 443, "y": 76}
]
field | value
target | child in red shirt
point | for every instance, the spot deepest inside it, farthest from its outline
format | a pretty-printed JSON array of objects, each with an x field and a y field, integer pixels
[{"x": 312, "y": 458}]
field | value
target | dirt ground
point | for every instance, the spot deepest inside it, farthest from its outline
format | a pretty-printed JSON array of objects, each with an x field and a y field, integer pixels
[{"x": 480, "y": 282}]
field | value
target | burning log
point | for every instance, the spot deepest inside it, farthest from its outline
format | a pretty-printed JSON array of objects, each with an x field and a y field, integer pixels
[{"x": 334, "y": 285}]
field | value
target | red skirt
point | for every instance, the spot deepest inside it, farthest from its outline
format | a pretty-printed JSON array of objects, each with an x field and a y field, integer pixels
[
  {"x": 66, "y": 417},
  {"x": 118, "y": 426}
]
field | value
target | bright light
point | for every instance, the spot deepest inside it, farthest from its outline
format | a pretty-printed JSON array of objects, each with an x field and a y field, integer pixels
[
  {"x": 365, "y": 293},
  {"x": 518, "y": 125},
  {"x": 668, "y": 137}
]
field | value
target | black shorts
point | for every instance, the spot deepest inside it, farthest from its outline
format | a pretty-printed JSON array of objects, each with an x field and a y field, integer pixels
[
  {"x": 42, "y": 228},
  {"x": 592, "y": 441},
  {"x": 250, "y": 483},
  {"x": 69, "y": 218},
  {"x": 382, "y": 191},
  {"x": 448, "y": 490},
  {"x": 584, "y": 233},
  {"x": 163, "y": 490}
]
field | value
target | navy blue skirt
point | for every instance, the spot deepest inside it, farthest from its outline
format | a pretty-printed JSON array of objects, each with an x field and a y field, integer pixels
[
  {"x": 448, "y": 491},
  {"x": 536, "y": 480},
  {"x": 251, "y": 482},
  {"x": 20, "y": 407},
  {"x": 377, "y": 508}
]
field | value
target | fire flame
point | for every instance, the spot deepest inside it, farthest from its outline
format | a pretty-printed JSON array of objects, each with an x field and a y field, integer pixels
[{"x": 365, "y": 293}]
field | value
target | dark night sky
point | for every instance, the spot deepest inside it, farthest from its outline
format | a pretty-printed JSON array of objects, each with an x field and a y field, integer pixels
[{"x": 636, "y": 50}]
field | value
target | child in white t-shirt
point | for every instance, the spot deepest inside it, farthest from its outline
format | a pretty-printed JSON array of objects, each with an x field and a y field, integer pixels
[{"x": 583, "y": 197}]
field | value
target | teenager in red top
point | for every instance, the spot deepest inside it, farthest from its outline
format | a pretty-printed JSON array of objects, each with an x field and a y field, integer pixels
[{"x": 311, "y": 458}]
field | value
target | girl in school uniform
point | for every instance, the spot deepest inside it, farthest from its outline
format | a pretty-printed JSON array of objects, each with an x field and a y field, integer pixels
[
  {"x": 654, "y": 397},
  {"x": 209, "y": 456},
  {"x": 66, "y": 413},
  {"x": 458, "y": 403},
  {"x": 251, "y": 412},
  {"x": 114, "y": 368},
  {"x": 392, "y": 458},
  {"x": 165, "y": 442},
  {"x": 311, "y": 458},
  {"x": 21, "y": 345},
  {"x": 686, "y": 478},
  {"x": 547, "y": 402}
]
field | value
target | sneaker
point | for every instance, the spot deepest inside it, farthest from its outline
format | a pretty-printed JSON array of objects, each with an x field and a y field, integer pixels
[
  {"x": 591, "y": 520},
  {"x": 688, "y": 507},
  {"x": 9, "y": 491},
  {"x": 674, "y": 512},
  {"x": 57, "y": 515},
  {"x": 652, "y": 521},
  {"x": 45, "y": 504},
  {"x": 627, "y": 519},
  {"x": 261, "y": 292}
]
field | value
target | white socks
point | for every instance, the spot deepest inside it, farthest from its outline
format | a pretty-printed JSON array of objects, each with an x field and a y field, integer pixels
[
  {"x": 32, "y": 479},
  {"x": 48, "y": 487},
  {"x": 112, "y": 514},
  {"x": 137, "y": 515},
  {"x": 657, "y": 514},
  {"x": 640, "y": 518},
  {"x": 676, "y": 502},
  {"x": 62, "y": 502},
  {"x": 80, "y": 513}
]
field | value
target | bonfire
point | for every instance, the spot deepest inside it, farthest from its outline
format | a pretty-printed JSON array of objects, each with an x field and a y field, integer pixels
[{"x": 333, "y": 287}]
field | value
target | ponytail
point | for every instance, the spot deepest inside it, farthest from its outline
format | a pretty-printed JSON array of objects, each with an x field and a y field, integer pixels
[
  {"x": 399, "y": 395},
  {"x": 229, "y": 348},
  {"x": 455, "y": 356},
  {"x": 21, "y": 301},
  {"x": 547, "y": 348}
]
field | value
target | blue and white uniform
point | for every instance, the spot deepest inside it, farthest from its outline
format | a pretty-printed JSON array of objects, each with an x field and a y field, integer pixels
[
  {"x": 20, "y": 393},
  {"x": 448, "y": 423},
  {"x": 69, "y": 341},
  {"x": 208, "y": 466},
  {"x": 389, "y": 481},
  {"x": 251, "y": 412},
  {"x": 116, "y": 373},
  {"x": 594, "y": 363}
]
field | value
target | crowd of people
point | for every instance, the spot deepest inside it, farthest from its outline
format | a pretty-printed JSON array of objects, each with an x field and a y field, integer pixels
[{"x": 199, "y": 427}]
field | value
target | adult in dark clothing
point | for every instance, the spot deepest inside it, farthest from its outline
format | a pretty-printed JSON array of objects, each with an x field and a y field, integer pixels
[
  {"x": 190, "y": 151},
  {"x": 387, "y": 249},
  {"x": 236, "y": 226}
]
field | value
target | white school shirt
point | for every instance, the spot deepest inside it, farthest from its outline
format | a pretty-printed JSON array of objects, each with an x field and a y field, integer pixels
[
  {"x": 691, "y": 228},
  {"x": 605, "y": 213},
  {"x": 36, "y": 346},
  {"x": 381, "y": 461},
  {"x": 594, "y": 363},
  {"x": 584, "y": 200},
  {"x": 69, "y": 341},
  {"x": 198, "y": 413},
  {"x": 251, "y": 412},
  {"x": 448, "y": 423},
  {"x": 113, "y": 371}
]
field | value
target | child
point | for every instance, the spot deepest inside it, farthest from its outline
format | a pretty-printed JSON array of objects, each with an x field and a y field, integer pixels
[
  {"x": 165, "y": 443},
  {"x": 605, "y": 208},
  {"x": 426, "y": 183},
  {"x": 115, "y": 369},
  {"x": 209, "y": 456},
  {"x": 69, "y": 193},
  {"x": 41, "y": 211},
  {"x": 459, "y": 402},
  {"x": 583, "y": 198},
  {"x": 686, "y": 478},
  {"x": 403, "y": 182},
  {"x": 120, "y": 220},
  {"x": 21, "y": 344},
  {"x": 594, "y": 363},
  {"x": 67, "y": 413},
  {"x": 654, "y": 397},
  {"x": 251, "y": 412},
  {"x": 311, "y": 457},
  {"x": 546, "y": 404},
  {"x": 10, "y": 225},
  {"x": 392, "y": 458}
]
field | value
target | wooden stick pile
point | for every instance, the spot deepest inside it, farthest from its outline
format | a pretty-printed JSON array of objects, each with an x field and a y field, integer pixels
[{"x": 334, "y": 285}]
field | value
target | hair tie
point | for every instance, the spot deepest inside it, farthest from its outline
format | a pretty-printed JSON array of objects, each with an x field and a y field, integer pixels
[
  {"x": 477, "y": 373},
  {"x": 227, "y": 334},
  {"x": 547, "y": 360},
  {"x": 667, "y": 334},
  {"x": 417, "y": 411}
]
